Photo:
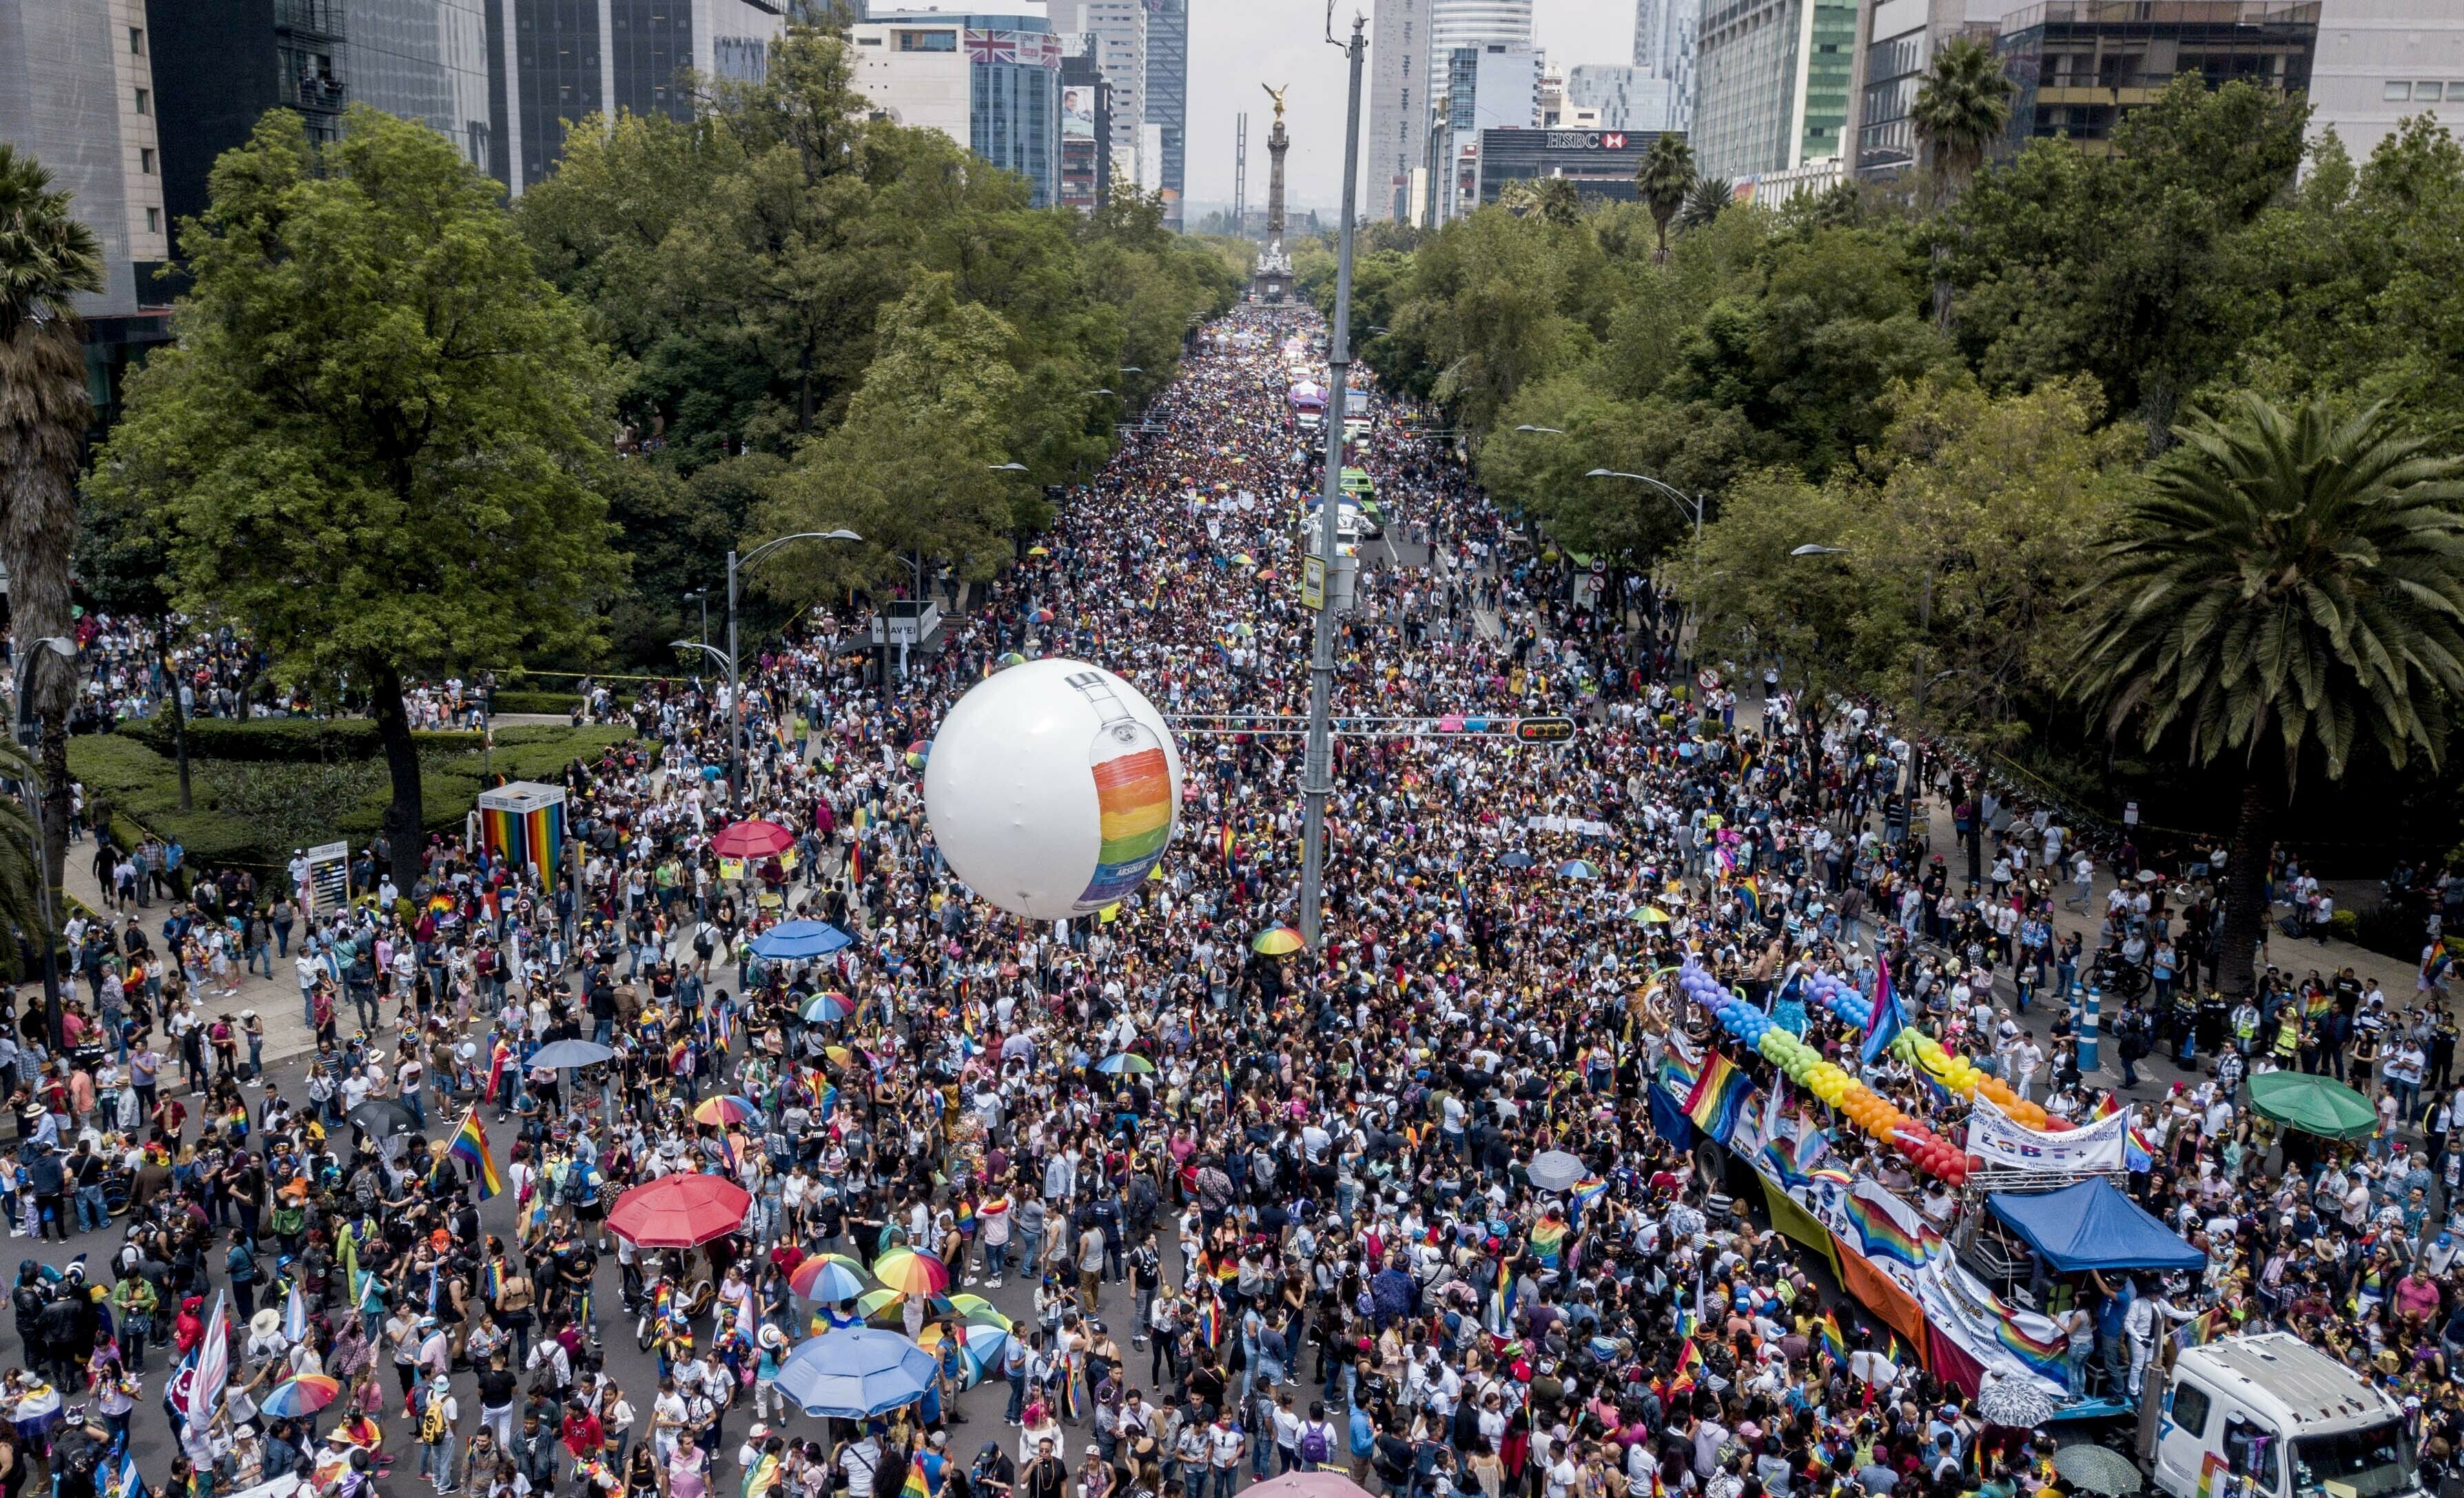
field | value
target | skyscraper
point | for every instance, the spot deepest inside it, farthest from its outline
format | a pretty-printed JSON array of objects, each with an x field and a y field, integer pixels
[
  {"x": 989, "y": 82},
  {"x": 1119, "y": 31},
  {"x": 551, "y": 62},
  {"x": 1773, "y": 90},
  {"x": 1167, "y": 98},
  {"x": 1399, "y": 106},
  {"x": 1476, "y": 23},
  {"x": 1665, "y": 40}
]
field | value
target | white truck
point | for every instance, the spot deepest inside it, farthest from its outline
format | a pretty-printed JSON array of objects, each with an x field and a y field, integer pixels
[{"x": 2273, "y": 1417}]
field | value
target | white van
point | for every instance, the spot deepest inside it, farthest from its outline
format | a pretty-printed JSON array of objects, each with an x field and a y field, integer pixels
[{"x": 2284, "y": 1416}]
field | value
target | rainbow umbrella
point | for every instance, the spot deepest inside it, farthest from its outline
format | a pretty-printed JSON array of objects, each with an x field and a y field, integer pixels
[
  {"x": 1038, "y": 551},
  {"x": 912, "y": 1271},
  {"x": 725, "y": 1111},
  {"x": 831, "y": 1277},
  {"x": 1281, "y": 942},
  {"x": 1578, "y": 868},
  {"x": 872, "y": 1303},
  {"x": 1134, "y": 1065},
  {"x": 1652, "y": 915},
  {"x": 296, "y": 1398},
  {"x": 1044, "y": 616},
  {"x": 918, "y": 752},
  {"x": 829, "y": 1008},
  {"x": 840, "y": 1055},
  {"x": 1009, "y": 658},
  {"x": 976, "y": 1308}
]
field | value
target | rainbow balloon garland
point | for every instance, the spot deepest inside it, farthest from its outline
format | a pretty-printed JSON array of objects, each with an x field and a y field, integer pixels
[{"x": 1850, "y": 1098}]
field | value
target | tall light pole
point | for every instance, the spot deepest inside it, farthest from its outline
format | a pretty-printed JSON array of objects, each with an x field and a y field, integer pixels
[
  {"x": 1687, "y": 505},
  {"x": 1317, "y": 767},
  {"x": 735, "y": 676}
]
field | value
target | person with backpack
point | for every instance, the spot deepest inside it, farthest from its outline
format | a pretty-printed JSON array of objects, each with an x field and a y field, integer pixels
[{"x": 1315, "y": 1447}]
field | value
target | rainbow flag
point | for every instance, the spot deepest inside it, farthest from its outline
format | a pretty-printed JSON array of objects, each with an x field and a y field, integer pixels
[
  {"x": 1720, "y": 1092},
  {"x": 855, "y": 858},
  {"x": 498, "y": 1055},
  {"x": 2137, "y": 1153},
  {"x": 1548, "y": 1242},
  {"x": 764, "y": 1475},
  {"x": 914, "y": 1487},
  {"x": 440, "y": 904},
  {"x": 1210, "y": 1320},
  {"x": 1687, "y": 1361},
  {"x": 2318, "y": 1004},
  {"x": 1882, "y": 1236},
  {"x": 1587, "y": 1191},
  {"x": 1501, "y": 1300},
  {"x": 1835, "y": 1341},
  {"x": 471, "y": 1147},
  {"x": 966, "y": 1218},
  {"x": 1224, "y": 840}
]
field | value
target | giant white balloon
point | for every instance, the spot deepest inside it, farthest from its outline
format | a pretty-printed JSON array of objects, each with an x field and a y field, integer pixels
[{"x": 1052, "y": 788}]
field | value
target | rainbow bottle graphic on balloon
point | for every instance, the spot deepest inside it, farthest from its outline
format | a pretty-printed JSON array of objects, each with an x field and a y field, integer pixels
[{"x": 1133, "y": 792}]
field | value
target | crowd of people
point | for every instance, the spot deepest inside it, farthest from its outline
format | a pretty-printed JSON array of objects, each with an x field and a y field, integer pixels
[{"x": 1245, "y": 1214}]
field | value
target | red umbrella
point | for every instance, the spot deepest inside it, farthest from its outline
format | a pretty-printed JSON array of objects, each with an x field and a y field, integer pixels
[
  {"x": 753, "y": 838},
  {"x": 679, "y": 1211}
]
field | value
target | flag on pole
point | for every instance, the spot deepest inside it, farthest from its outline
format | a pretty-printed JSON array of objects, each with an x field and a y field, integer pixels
[
  {"x": 1885, "y": 1021},
  {"x": 295, "y": 1315},
  {"x": 471, "y": 1147},
  {"x": 214, "y": 1368},
  {"x": 120, "y": 1476}
]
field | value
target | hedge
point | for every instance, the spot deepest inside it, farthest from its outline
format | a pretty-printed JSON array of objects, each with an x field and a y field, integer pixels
[
  {"x": 140, "y": 785},
  {"x": 515, "y": 701},
  {"x": 282, "y": 741}
]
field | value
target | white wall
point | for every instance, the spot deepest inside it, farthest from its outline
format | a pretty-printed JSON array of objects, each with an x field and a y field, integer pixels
[{"x": 2366, "y": 45}]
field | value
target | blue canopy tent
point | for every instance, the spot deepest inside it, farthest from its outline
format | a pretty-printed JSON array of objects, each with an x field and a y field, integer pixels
[{"x": 2093, "y": 1227}]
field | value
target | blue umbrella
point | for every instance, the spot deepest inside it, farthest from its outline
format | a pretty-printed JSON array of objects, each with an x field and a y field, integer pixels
[
  {"x": 856, "y": 1372},
  {"x": 801, "y": 939},
  {"x": 1515, "y": 860}
]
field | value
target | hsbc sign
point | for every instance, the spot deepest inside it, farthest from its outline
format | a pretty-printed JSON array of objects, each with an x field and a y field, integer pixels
[{"x": 1586, "y": 140}]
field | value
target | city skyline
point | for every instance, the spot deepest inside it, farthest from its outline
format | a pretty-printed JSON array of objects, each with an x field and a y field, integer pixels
[{"x": 1234, "y": 48}]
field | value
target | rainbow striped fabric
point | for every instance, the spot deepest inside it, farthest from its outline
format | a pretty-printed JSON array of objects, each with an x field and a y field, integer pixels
[
  {"x": 471, "y": 1147},
  {"x": 1134, "y": 796},
  {"x": 1881, "y": 1235}
]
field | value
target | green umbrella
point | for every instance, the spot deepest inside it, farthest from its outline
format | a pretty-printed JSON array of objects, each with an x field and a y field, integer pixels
[{"x": 2313, "y": 1103}]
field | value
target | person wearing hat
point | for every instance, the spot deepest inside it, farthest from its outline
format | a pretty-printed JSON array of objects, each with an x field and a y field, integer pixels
[{"x": 772, "y": 1356}]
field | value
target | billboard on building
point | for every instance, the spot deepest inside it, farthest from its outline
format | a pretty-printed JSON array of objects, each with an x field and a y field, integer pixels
[{"x": 1078, "y": 113}]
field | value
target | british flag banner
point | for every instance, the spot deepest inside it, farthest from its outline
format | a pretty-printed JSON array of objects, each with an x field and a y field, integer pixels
[{"x": 991, "y": 46}]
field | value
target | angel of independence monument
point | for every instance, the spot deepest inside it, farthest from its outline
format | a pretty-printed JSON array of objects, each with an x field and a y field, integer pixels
[{"x": 1271, "y": 282}]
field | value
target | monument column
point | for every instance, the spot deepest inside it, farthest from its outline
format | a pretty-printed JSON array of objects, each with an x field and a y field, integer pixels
[{"x": 1272, "y": 279}]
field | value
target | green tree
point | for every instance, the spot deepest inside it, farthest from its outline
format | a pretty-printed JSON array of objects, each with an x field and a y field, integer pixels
[
  {"x": 371, "y": 445},
  {"x": 1706, "y": 198},
  {"x": 1961, "y": 109},
  {"x": 2129, "y": 264},
  {"x": 911, "y": 469},
  {"x": 2291, "y": 587},
  {"x": 46, "y": 257},
  {"x": 1663, "y": 178}
]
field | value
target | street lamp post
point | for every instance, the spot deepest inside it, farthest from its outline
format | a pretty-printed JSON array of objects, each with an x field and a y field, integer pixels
[
  {"x": 735, "y": 677},
  {"x": 1317, "y": 767},
  {"x": 1686, "y": 504}
]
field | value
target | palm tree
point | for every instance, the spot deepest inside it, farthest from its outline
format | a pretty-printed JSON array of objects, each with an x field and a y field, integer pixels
[
  {"x": 1558, "y": 201},
  {"x": 46, "y": 257},
  {"x": 21, "y": 900},
  {"x": 1666, "y": 172},
  {"x": 2286, "y": 587},
  {"x": 1706, "y": 198},
  {"x": 1961, "y": 109}
]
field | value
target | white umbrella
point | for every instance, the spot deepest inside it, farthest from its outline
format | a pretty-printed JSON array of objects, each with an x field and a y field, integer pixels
[
  {"x": 2016, "y": 1402},
  {"x": 1554, "y": 1170}
]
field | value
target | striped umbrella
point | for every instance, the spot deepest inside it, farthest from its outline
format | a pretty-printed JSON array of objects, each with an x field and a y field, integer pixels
[
  {"x": 827, "y": 1008},
  {"x": 306, "y": 1395},
  {"x": 827, "y": 1277},
  {"x": 725, "y": 1110},
  {"x": 1281, "y": 942},
  {"x": 912, "y": 1271}
]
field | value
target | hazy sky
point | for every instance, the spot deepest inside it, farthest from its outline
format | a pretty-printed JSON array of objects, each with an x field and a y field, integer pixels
[{"x": 1237, "y": 45}]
